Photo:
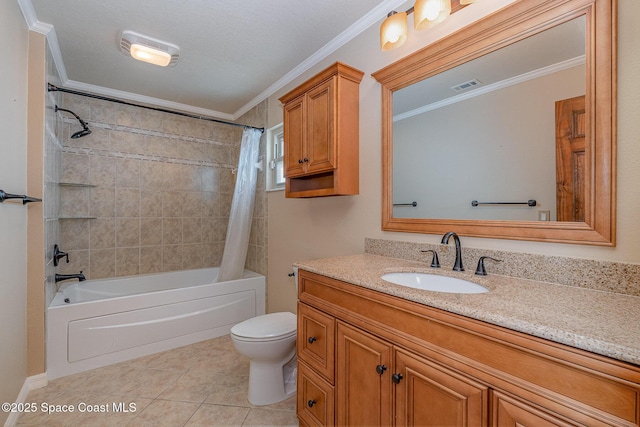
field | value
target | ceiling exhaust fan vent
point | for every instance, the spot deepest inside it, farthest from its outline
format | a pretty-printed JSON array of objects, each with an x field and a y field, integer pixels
[
  {"x": 471, "y": 84},
  {"x": 157, "y": 47}
]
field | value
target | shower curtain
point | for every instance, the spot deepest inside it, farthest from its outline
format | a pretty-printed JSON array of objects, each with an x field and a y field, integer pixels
[{"x": 237, "y": 241}]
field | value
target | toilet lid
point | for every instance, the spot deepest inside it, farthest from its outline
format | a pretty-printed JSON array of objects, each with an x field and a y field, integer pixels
[{"x": 266, "y": 326}]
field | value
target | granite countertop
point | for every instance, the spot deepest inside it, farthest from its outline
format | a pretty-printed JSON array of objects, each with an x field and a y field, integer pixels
[{"x": 600, "y": 322}]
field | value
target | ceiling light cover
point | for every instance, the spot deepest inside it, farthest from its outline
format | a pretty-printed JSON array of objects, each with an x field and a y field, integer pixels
[
  {"x": 428, "y": 13},
  {"x": 148, "y": 49},
  {"x": 393, "y": 31}
]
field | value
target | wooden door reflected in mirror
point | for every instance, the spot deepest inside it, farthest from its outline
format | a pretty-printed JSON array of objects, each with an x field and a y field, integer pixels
[{"x": 572, "y": 185}]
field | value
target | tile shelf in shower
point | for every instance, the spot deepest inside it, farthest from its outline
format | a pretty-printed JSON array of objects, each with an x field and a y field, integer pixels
[
  {"x": 74, "y": 184},
  {"x": 77, "y": 217}
]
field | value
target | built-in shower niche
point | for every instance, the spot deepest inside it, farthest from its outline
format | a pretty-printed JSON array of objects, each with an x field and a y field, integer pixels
[{"x": 70, "y": 206}]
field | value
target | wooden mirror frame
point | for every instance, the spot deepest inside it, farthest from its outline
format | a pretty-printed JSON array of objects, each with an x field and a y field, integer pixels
[{"x": 515, "y": 22}]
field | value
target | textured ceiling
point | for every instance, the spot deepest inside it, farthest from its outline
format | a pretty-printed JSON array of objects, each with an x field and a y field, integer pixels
[{"x": 232, "y": 52}]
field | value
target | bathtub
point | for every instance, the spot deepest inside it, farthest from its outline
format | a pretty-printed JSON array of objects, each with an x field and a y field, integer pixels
[{"x": 100, "y": 322}]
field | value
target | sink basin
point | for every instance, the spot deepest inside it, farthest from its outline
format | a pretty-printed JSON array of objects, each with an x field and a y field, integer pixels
[{"x": 434, "y": 282}]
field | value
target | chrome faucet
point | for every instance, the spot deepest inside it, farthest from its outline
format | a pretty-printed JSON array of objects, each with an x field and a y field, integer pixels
[
  {"x": 457, "y": 266},
  {"x": 61, "y": 277}
]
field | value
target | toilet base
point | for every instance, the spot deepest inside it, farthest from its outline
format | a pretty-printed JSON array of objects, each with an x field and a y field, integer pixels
[{"x": 269, "y": 383}]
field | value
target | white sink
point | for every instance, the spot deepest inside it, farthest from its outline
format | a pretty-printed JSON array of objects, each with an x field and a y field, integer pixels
[{"x": 434, "y": 282}]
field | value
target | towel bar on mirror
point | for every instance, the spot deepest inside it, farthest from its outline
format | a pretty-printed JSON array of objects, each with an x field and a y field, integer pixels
[{"x": 528, "y": 203}]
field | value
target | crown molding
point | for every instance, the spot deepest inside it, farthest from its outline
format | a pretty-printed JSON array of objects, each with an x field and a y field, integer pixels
[
  {"x": 134, "y": 97},
  {"x": 374, "y": 16},
  {"x": 531, "y": 75}
]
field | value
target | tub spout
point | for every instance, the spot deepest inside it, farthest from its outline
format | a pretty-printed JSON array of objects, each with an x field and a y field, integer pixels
[{"x": 79, "y": 276}]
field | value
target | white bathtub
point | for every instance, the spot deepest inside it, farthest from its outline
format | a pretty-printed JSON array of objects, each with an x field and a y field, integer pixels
[{"x": 100, "y": 322}]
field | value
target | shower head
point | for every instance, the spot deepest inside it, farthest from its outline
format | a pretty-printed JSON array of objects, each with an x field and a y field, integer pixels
[
  {"x": 84, "y": 132},
  {"x": 85, "y": 128}
]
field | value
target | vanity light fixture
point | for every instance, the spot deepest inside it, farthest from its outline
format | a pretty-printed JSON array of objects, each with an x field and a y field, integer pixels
[
  {"x": 393, "y": 31},
  {"x": 148, "y": 49},
  {"x": 426, "y": 14}
]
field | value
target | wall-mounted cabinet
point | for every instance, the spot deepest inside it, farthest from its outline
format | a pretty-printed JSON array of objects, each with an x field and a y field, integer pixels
[{"x": 321, "y": 134}]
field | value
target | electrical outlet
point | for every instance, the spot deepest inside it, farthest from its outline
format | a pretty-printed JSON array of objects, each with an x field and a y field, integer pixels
[{"x": 544, "y": 215}]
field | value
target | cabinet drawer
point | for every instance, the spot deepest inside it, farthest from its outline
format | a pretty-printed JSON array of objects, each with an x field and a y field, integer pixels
[
  {"x": 316, "y": 340},
  {"x": 315, "y": 398},
  {"x": 510, "y": 412}
]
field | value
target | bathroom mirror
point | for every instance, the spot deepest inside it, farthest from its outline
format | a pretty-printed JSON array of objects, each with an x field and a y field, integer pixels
[{"x": 495, "y": 158}]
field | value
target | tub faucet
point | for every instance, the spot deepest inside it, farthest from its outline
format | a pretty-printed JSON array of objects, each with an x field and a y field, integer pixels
[
  {"x": 457, "y": 266},
  {"x": 58, "y": 255},
  {"x": 79, "y": 276}
]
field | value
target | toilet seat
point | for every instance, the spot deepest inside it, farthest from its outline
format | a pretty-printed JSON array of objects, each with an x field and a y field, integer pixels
[{"x": 268, "y": 327}]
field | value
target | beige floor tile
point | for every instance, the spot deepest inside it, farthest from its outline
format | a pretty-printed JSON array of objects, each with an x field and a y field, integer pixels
[
  {"x": 203, "y": 384},
  {"x": 229, "y": 362},
  {"x": 192, "y": 386},
  {"x": 268, "y": 417},
  {"x": 179, "y": 359},
  {"x": 286, "y": 405},
  {"x": 147, "y": 383},
  {"x": 229, "y": 390},
  {"x": 106, "y": 380},
  {"x": 161, "y": 413},
  {"x": 111, "y": 411},
  {"x": 217, "y": 415}
]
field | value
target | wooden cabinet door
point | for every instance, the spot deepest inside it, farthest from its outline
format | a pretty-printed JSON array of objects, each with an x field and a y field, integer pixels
[
  {"x": 316, "y": 340},
  {"x": 431, "y": 395},
  {"x": 294, "y": 137},
  {"x": 363, "y": 382},
  {"x": 315, "y": 398},
  {"x": 321, "y": 128}
]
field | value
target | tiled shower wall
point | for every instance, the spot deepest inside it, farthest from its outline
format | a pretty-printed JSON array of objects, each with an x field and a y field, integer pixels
[
  {"x": 149, "y": 191},
  {"x": 52, "y": 168}
]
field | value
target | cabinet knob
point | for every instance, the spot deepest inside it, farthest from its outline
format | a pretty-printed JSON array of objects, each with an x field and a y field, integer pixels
[
  {"x": 310, "y": 403},
  {"x": 396, "y": 378},
  {"x": 311, "y": 340},
  {"x": 305, "y": 160},
  {"x": 300, "y": 161},
  {"x": 380, "y": 369}
]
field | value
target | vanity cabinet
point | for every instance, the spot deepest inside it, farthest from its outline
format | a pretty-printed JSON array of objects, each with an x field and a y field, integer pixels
[
  {"x": 321, "y": 134},
  {"x": 363, "y": 389},
  {"x": 371, "y": 370},
  {"x": 382, "y": 360}
]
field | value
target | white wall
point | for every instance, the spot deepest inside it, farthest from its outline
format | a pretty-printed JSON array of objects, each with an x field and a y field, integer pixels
[
  {"x": 13, "y": 217},
  {"x": 312, "y": 228}
]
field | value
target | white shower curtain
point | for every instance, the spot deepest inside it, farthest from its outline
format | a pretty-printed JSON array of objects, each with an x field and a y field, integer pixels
[{"x": 239, "y": 228}]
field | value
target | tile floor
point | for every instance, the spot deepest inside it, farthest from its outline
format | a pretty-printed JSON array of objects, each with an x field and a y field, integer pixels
[{"x": 203, "y": 384}]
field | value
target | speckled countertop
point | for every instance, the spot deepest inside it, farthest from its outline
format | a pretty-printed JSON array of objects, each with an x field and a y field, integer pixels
[{"x": 600, "y": 322}]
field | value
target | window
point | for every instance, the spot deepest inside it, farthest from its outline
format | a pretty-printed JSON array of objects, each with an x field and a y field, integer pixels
[{"x": 275, "y": 156}]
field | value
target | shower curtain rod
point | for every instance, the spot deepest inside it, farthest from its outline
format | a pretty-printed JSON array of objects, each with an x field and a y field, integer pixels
[{"x": 53, "y": 88}]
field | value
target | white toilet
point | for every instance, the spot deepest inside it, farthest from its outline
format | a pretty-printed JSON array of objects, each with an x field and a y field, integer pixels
[{"x": 269, "y": 341}]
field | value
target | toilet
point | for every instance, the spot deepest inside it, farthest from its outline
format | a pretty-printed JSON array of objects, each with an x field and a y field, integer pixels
[{"x": 269, "y": 341}]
